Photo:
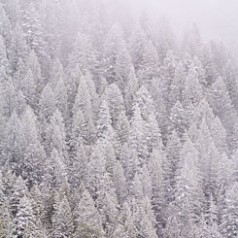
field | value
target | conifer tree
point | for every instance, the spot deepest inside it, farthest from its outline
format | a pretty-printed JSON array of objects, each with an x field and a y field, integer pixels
[
  {"x": 115, "y": 102},
  {"x": 5, "y": 30},
  {"x": 34, "y": 155},
  {"x": 130, "y": 91},
  {"x": 155, "y": 167},
  {"x": 62, "y": 220},
  {"x": 177, "y": 118},
  {"x": 192, "y": 41},
  {"x": 88, "y": 220},
  {"x": 96, "y": 169},
  {"x": 107, "y": 205},
  {"x": 119, "y": 182},
  {"x": 78, "y": 168},
  {"x": 61, "y": 97},
  {"x": 137, "y": 139},
  {"x": 219, "y": 100},
  {"x": 229, "y": 221},
  {"x": 84, "y": 55},
  {"x": 168, "y": 72},
  {"x": 192, "y": 88},
  {"x": 230, "y": 79},
  {"x": 34, "y": 65},
  {"x": 122, "y": 131},
  {"x": 32, "y": 27},
  {"x": 114, "y": 52},
  {"x": 210, "y": 69},
  {"x": 104, "y": 124},
  {"x": 83, "y": 103},
  {"x": 137, "y": 47},
  {"x": 171, "y": 166},
  {"x": 177, "y": 85},
  {"x": 24, "y": 223},
  {"x": 57, "y": 135},
  {"x": 14, "y": 143},
  {"x": 189, "y": 193},
  {"x": 5, "y": 67},
  {"x": 219, "y": 135},
  {"x": 149, "y": 68},
  {"x": 18, "y": 47},
  {"x": 47, "y": 103}
]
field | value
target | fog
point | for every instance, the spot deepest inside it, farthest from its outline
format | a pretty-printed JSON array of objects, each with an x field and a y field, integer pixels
[
  {"x": 216, "y": 19},
  {"x": 113, "y": 127}
]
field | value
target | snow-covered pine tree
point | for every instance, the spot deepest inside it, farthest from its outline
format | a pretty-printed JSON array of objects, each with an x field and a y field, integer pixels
[
  {"x": 62, "y": 219},
  {"x": 87, "y": 219}
]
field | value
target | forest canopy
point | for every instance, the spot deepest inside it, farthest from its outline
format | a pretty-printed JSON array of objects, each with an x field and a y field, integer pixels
[{"x": 112, "y": 127}]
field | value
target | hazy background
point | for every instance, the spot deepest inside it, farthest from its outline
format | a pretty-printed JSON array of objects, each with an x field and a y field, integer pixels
[{"x": 216, "y": 19}]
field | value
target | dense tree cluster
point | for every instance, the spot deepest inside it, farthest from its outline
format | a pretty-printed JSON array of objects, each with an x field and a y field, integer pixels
[{"x": 110, "y": 127}]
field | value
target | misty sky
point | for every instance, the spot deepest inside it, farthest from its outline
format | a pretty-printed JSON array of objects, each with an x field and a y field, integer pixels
[{"x": 216, "y": 19}]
